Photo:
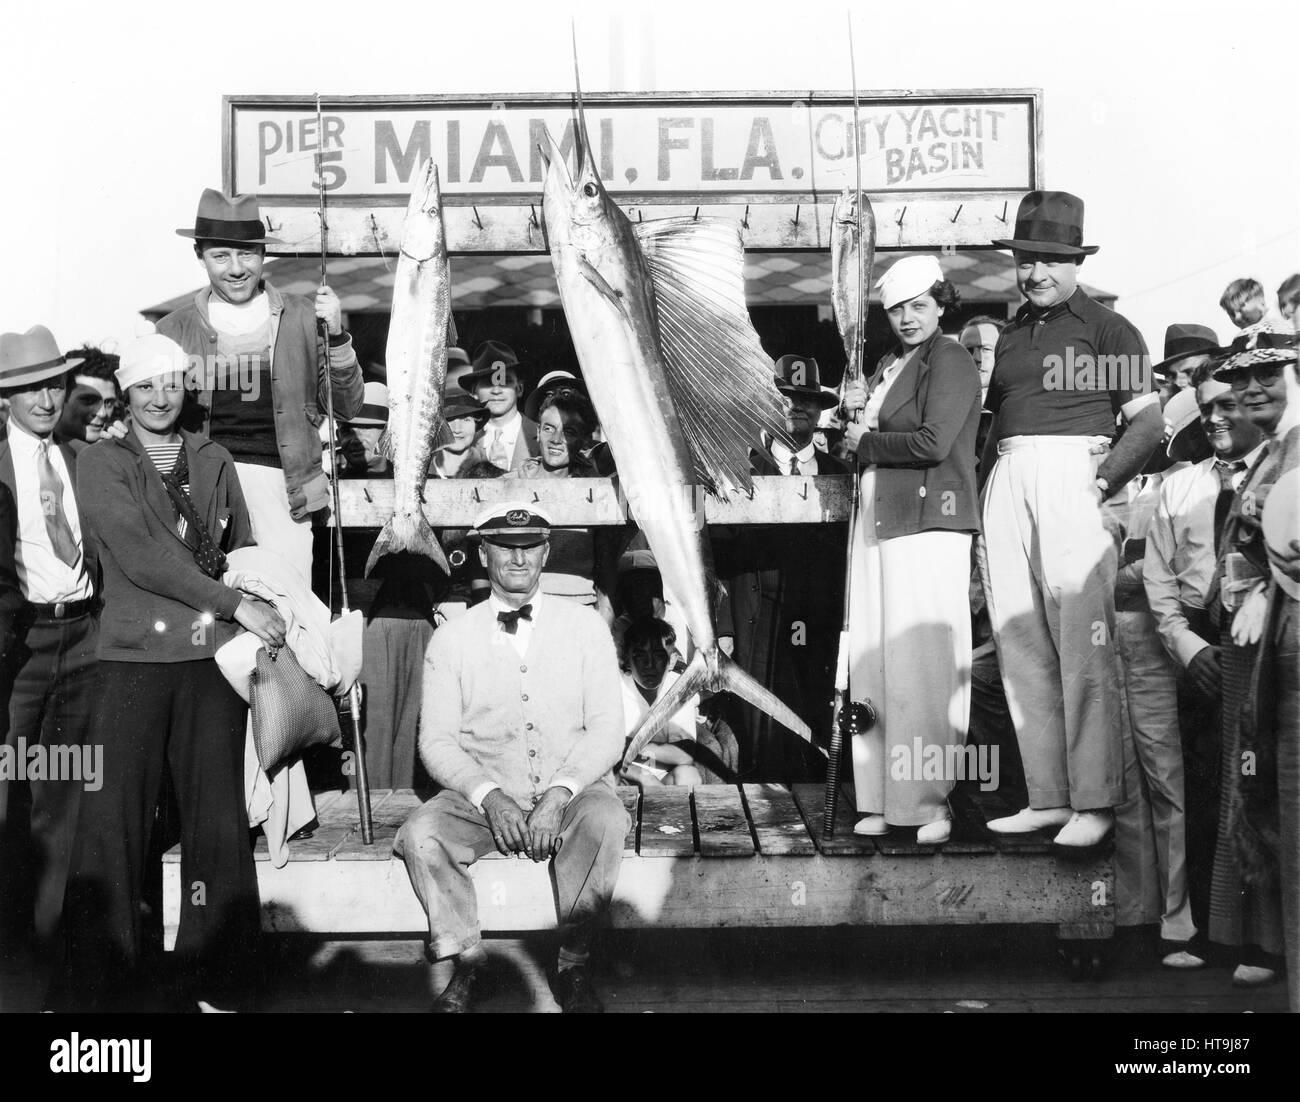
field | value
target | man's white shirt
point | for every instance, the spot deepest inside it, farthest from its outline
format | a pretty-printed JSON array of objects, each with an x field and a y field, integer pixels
[{"x": 45, "y": 578}]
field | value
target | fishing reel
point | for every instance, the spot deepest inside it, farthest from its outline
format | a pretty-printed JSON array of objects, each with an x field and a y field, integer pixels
[{"x": 857, "y": 717}]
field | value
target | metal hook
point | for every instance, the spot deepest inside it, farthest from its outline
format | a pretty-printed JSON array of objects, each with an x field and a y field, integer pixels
[
  {"x": 379, "y": 245},
  {"x": 745, "y": 221},
  {"x": 477, "y": 220},
  {"x": 796, "y": 214},
  {"x": 476, "y": 497},
  {"x": 639, "y": 214},
  {"x": 696, "y": 216},
  {"x": 271, "y": 227},
  {"x": 902, "y": 214},
  {"x": 366, "y": 491},
  {"x": 535, "y": 497},
  {"x": 804, "y": 496},
  {"x": 958, "y": 214},
  {"x": 1003, "y": 216},
  {"x": 591, "y": 496}
]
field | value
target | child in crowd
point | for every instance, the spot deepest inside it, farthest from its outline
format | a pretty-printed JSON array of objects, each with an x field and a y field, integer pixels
[{"x": 1244, "y": 302}]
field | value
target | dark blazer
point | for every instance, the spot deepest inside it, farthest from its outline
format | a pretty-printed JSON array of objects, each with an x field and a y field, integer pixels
[
  {"x": 154, "y": 594},
  {"x": 11, "y": 594},
  {"x": 924, "y": 451},
  {"x": 71, "y": 450}
]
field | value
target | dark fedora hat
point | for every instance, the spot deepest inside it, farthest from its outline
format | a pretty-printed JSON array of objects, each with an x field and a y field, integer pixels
[
  {"x": 233, "y": 218},
  {"x": 31, "y": 357},
  {"x": 489, "y": 358},
  {"x": 1049, "y": 222},
  {"x": 456, "y": 403},
  {"x": 797, "y": 374},
  {"x": 1184, "y": 339}
]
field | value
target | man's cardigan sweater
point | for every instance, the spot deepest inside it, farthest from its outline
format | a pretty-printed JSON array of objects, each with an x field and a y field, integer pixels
[{"x": 490, "y": 716}]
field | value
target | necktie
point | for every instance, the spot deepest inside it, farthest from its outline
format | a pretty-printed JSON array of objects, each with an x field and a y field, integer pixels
[
  {"x": 794, "y": 465},
  {"x": 1223, "y": 503},
  {"x": 510, "y": 620},
  {"x": 498, "y": 453},
  {"x": 56, "y": 521}
]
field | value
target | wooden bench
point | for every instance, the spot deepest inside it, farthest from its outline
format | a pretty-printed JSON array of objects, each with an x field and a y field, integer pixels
[{"x": 716, "y": 856}]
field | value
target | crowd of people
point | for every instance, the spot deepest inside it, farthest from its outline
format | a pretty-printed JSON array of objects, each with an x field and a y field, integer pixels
[{"x": 1091, "y": 559}]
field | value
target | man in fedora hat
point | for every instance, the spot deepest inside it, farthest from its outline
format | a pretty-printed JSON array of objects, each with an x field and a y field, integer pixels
[
  {"x": 1066, "y": 369},
  {"x": 1187, "y": 346},
  {"x": 47, "y": 668},
  {"x": 264, "y": 378},
  {"x": 496, "y": 380},
  {"x": 1177, "y": 571},
  {"x": 782, "y": 576},
  {"x": 522, "y": 724}
]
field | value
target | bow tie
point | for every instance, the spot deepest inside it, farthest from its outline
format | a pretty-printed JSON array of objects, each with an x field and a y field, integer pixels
[{"x": 509, "y": 621}]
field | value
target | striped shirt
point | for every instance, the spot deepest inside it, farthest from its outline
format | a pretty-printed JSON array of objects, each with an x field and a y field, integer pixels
[{"x": 164, "y": 458}]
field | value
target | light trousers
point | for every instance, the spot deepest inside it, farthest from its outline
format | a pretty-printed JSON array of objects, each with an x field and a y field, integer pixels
[
  {"x": 443, "y": 838},
  {"x": 910, "y": 655},
  {"x": 272, "y": 522},
  {"x": 1049, "y": 556},
  {"x": 1150, "y": 835}
]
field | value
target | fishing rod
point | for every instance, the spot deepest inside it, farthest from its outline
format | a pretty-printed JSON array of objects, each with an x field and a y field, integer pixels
[
  {"x": 354, "y": 694},
  {"x": 844, "y": 712}
]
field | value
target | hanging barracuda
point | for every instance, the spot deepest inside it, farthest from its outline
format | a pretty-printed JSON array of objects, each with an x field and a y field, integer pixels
[
  {"x": 417, "y": 366},
  {"x": 682, "y": 386}
]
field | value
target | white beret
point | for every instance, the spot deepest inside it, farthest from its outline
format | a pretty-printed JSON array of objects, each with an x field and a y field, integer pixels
[
  {"x": 907, "y": 278},
  {"x": 148, "y": 357}
]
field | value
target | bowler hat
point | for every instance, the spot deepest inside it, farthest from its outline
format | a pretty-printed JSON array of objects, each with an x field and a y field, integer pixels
[
  {"x": 489, "y": 358},
  {"x": 31, "y": 357},
  {"x": 797, "y": 374},
  {"x": 511, "y": 524},
  {"x": 1184, "y": 339},
  {"x": 1049, "y": 222},
  {"x": 548, "y": 384},
  {"x": 234, "y": 218}
]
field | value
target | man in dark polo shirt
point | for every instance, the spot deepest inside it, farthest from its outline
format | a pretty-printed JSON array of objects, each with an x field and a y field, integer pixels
[{"x": 1067, "y": 369}]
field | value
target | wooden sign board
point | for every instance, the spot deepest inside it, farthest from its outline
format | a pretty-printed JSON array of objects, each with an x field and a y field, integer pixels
[{"x": 943, "y": 168}]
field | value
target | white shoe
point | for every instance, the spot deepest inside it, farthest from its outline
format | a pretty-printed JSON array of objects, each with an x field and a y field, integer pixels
[
  {"x": 1086, "y": 828},
  {"x": 871, "y": 825},
  {"x": 1183, "y": 960},
  {"x": 935, "y": 833},
  {"x": 1251, "y": 975},
  {"x": 1030, "y": 820}
]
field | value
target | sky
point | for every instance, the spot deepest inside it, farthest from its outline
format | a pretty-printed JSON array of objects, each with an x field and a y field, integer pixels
[{"x": 1171, "y": 120}]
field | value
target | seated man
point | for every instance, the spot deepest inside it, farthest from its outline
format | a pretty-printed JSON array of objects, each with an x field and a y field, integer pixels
[{"x": 522, "y": 724}]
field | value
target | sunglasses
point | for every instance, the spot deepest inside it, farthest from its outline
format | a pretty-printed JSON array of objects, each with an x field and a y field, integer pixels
[{"x": 1264, "y": 374}]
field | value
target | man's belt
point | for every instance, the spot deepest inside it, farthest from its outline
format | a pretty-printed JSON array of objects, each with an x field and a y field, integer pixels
[{"x": 60, "y": 610}]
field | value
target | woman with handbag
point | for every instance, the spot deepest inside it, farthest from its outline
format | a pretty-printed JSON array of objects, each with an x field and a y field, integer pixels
[
  {"x": 165, "y": 505},
  {"x": 910, "y": 637}
]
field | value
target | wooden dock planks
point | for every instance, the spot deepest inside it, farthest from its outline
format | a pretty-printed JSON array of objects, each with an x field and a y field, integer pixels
[
  {"x": 721, "y": 823},
  {"x": 667, "y": 829},
  {"x": 844, "y": 843},
  {"x": 777, "y": 824}
]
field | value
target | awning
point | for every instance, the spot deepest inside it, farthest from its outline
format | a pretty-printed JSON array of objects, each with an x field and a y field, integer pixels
[{"x": 365, "y": 284}]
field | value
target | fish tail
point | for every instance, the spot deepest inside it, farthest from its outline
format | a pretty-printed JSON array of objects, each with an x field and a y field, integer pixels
[
  {"x": 732, "y": 679},
  {"x": 693, "y": 679},
  {"x": 408, "y": 532},
  {"x": 387, "y": 446}
]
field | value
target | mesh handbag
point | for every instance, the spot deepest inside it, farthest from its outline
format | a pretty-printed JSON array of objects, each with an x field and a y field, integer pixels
[{"x": 289, "y": 710}]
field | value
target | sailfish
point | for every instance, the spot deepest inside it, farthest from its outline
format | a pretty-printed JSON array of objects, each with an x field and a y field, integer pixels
[{"x": 680, "y": 381}]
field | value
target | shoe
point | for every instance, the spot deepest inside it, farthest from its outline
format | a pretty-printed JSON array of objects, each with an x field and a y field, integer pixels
[
  {"x": 871, "y": 826},
  {"x": 1251, "y": 975},
  {"x": 575, "y": 992},
  {"x": 1030, "y": 820},
  {"x": 1086, "y": 828},
  {"x": 460, "y": 995},
  {"x": 935, "y": 833},
  {"x": 1182, "y": 960}
]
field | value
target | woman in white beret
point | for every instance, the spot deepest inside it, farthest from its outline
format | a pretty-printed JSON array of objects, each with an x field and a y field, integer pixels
[{"x": 910, "y": 642}]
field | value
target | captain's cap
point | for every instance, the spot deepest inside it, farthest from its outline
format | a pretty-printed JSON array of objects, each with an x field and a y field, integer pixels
[{"x": 511, "y": 524}]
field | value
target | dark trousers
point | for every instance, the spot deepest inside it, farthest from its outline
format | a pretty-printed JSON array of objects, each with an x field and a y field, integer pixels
[
  {"x": 185, "y": 716},
  {"x": 1200, "y": 725},
  {"x": 47, "y": 684}
]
